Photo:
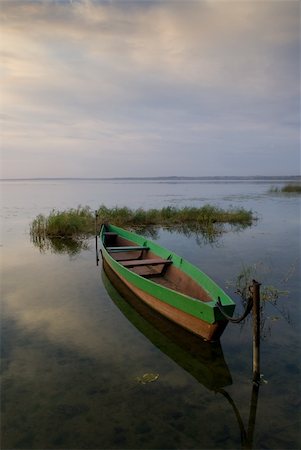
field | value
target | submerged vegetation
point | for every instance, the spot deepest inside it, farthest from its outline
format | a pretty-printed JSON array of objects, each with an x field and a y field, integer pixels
[
  {"x": 287, "y": 189},
  {"x": 79, "y": 223},
  {"x": 269, "y": 295}
]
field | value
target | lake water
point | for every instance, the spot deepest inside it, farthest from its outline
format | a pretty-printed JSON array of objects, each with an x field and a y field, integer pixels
[{"x": 74, "y": 351}]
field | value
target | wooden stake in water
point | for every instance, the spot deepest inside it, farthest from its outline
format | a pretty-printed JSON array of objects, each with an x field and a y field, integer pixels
[
  {"x": 96, "y": 240},
  {"x": 256, "y": 330}
]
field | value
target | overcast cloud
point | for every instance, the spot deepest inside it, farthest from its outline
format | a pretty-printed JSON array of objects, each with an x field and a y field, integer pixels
[{"x": 150, "y": 88}]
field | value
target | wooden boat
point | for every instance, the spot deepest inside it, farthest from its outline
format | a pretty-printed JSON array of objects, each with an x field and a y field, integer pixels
[
  {"x": 166, "y": 282},
  {"x": 203, "y": 360}
]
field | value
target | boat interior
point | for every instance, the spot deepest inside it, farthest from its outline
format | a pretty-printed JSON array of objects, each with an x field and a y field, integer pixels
[{"x": 142, "y": 261}]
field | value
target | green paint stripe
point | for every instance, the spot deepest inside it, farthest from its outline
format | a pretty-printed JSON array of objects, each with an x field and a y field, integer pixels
[{"x": 206, "y": 311}]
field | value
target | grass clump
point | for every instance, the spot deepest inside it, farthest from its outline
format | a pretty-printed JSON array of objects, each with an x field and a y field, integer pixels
[
  {"x": 292, "y": 188},
  {"x": 287, "y": 189},
  {"x": 174, "y": 216},
  {"x": 65, "y": 224},
  {"x": 80, "y": 222}
]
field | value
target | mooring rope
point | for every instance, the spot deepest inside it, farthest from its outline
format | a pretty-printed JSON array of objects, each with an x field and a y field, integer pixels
[{"x": 237, "y": 319}]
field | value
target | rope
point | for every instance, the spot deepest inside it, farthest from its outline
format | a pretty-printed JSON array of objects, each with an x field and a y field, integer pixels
[{"x": 237, "y": 319}]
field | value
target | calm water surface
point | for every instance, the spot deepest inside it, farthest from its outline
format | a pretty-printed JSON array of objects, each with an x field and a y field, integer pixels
[{"x": 74, "y": 351}]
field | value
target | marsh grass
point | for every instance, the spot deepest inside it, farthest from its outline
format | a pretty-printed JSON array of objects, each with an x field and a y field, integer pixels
[
  {"x": 69, "y": 223},
  {"x": 169, "y": 216},
  {"x": 287, "y": 189},
  {"x": 80, "y": 222}
]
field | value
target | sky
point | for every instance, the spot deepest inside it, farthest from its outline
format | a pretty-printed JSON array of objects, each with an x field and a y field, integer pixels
[{"x": 149, "y": 88}]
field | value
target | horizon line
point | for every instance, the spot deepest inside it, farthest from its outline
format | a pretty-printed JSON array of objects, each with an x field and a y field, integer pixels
[{"x": 164, "y": 177}]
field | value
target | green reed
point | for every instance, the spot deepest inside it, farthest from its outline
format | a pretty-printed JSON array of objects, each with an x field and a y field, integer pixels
[
  {"x": 80, "y": 222},
  {"x": 170, "y": 215},
  {"x": 69, "y": 223}
]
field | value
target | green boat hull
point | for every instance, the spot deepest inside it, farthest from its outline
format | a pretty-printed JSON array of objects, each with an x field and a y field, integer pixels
[{"x": 200, "y": 317}]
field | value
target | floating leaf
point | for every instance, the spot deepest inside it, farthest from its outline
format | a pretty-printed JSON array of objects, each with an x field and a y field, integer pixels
[
  {"x": 275, "y": 318},
  {"x": 147, "y": 378},
  {"x": 262, "y": 379}
]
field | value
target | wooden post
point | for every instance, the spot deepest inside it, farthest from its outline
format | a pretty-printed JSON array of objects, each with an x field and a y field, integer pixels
[
  {"x": 256, "y": 331},
  {"x": 96, "y": 217},
  {"x": 96, "y": 240}
]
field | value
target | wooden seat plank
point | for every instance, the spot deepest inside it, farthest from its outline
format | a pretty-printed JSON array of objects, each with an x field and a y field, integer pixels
[
  {"x": 145, "y": 262},
  {"x": 127, "y": 249}
]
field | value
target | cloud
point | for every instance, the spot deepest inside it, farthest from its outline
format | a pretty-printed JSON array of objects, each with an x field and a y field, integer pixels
[{"x": 149, "y": 76}]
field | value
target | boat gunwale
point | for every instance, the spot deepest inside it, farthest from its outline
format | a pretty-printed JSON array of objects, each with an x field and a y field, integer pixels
[{"x": 208, "y": 308}]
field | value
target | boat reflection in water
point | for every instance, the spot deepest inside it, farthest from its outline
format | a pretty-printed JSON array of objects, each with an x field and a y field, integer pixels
[{"x": 204, "y": 361}]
